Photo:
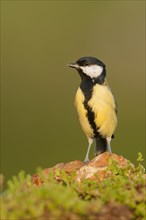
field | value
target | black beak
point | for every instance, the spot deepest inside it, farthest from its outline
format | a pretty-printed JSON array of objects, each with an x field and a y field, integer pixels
[{"x": 73, "y": 65}]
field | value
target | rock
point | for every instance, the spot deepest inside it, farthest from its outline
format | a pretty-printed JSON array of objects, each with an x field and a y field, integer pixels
[
  {"x": 97, "y": 167},
  {"x": 94, "y": 169},
  {"x": 36, "y": 179}
]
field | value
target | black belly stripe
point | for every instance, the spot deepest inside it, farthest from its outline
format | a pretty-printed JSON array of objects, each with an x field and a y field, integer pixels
[
  {"x": 87, "y": 89},
  {"x": 91, "y": 118}
]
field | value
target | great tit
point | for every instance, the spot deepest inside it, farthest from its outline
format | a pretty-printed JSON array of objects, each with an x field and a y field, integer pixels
[{"x": 95, "y": 104}]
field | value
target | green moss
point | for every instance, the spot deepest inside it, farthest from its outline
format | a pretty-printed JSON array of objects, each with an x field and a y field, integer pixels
[{"x": 70, "y": 200}]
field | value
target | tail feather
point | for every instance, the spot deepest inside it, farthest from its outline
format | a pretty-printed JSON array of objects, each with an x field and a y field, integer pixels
[{"x": 101, "y": 145}]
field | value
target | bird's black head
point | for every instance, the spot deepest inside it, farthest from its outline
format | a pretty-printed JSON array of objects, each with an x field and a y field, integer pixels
[{"x": 90, "y": 68}]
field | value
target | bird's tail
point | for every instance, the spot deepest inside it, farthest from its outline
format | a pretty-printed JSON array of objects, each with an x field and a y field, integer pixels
[{"x": 101, "y": 146}]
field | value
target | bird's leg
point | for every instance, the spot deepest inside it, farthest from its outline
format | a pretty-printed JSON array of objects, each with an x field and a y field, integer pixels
[
  {"x": 90, "y": 141},
  {"x": 108, "y": 144}
]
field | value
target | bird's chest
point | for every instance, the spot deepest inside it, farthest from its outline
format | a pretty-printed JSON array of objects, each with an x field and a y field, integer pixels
[
  {"x": 82, "y": 113},
  {"x": 101, "y": 98},
  {"x": 97, "y": 114},
  {"x": 102, "y": 103}
]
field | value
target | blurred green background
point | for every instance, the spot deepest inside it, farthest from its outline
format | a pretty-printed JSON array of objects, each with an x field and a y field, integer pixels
[{"x": 38, "y": 38}]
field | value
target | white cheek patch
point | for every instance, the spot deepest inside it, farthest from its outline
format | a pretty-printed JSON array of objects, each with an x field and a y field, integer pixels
[{"x": 93, "y": 71}]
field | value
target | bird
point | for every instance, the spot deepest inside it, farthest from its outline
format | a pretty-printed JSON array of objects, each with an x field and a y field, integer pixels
[{"x": 95, "y": 104}]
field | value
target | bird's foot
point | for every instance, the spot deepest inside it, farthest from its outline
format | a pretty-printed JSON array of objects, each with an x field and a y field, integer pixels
[
  {"x": 97, "y": 153},
  {"x": 86, "y": 160}
]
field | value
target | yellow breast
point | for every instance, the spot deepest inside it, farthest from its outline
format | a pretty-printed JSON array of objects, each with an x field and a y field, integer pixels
[
  {"x": 103, "y": 105},
  {"x": 82, "y": 112}
]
